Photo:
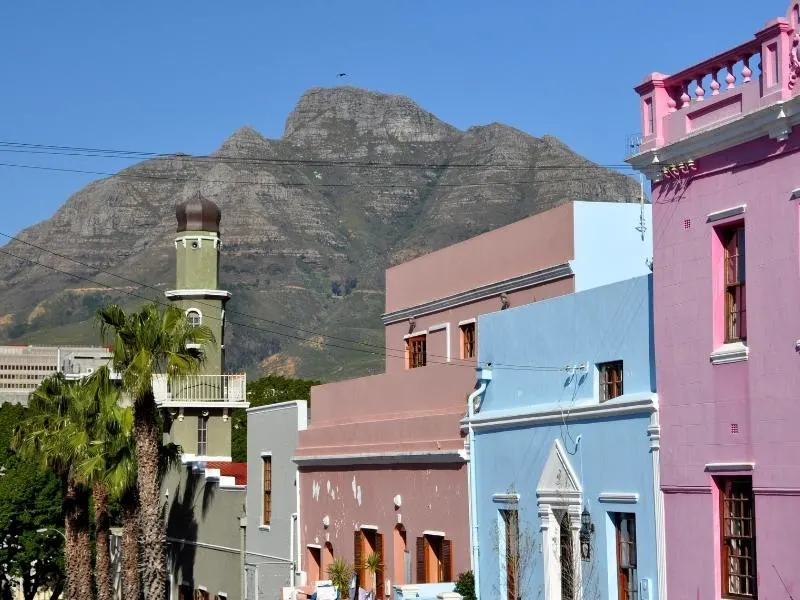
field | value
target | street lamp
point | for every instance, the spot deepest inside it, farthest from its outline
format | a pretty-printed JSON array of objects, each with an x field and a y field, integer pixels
[{"x": 50, "y": 529}]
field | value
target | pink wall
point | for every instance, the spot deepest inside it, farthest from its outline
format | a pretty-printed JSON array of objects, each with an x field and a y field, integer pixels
[
  {"x": 434, "y": 497},
  {"x": 700, "y": 401},
  {"x": 436, "y": 342},
  {"x": 534, "y": 243}
]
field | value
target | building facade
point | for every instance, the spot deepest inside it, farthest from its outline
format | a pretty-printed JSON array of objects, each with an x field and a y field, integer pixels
[
  {"x": 205, "y": 497},
  {"x": 273, "y": 551},
  {"x": 567, "y": 501},
  {"x": 383, "y": 463},
  {"x": 721, "y": 145},
  {"x": 22, "y": 368}
]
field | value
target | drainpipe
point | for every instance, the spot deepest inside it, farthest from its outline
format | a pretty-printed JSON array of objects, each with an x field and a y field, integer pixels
[
  {"x": 292, "y": 567},
  {"x": 484, "y": 377},
  {"x": 242, "y": 553}
]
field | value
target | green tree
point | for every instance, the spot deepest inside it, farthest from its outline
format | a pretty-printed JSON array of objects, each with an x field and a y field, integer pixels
[
  {"x": 270, "y": 389},
  {"x": 465, "y": 585},
  {"x": 30, "y": 500},
  {"x": 53, "y": 434},
  {"x": 109, "y": 466},
  {"x": 150, "y": 341}
]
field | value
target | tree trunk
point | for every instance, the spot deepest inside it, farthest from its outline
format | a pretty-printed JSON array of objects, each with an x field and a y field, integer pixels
[
  {"x": 130, "y": 550},
  {"x": 151, "y": 525},
  {"x": 77, "y": 549},
  {"x": 105, "y": 590},
  {"x": 55, "y": 593}
]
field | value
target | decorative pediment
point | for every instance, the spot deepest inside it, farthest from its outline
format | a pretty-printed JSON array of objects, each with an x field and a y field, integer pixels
[{"x": 558, "y": 477}]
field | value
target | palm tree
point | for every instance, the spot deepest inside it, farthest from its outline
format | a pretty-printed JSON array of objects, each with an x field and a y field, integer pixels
[
  {"x": 109, "y": 465},
  {"x": 52, "y": 436},
  {"x": 340, "y": 574},
  {"x": 145, "y": 343}
]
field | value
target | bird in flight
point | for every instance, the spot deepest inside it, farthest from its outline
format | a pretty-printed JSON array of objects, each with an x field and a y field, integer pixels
[{"x": 341, "y": 75}]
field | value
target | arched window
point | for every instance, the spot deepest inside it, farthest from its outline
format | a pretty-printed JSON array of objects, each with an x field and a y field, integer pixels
[{"x": 194, "y": 317}]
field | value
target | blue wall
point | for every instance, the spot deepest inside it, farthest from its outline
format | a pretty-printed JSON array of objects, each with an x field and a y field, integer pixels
[
  {"x": 602, "y": 324},
  {"x": 608, "y": 246}
]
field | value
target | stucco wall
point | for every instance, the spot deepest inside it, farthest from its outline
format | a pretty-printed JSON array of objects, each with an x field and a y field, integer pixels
[
  {"x": 433, "y": 498},
  {"x": 528, "y": 245},
  {"x": 607, "y": 323},
  {"x": 203, "y": 533},
  {"x": 272, "y": 429},
  {"x": 700, "y": 400},
  {"x": 608, "y": 246}
]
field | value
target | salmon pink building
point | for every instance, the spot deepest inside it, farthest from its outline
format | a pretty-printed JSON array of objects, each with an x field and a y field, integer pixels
[
  {"x": 383, "y": 462},
  {"x": 721, "y": 144}
]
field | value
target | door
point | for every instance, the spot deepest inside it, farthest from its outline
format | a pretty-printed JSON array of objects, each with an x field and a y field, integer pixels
[{"x": 567, "y": 559}]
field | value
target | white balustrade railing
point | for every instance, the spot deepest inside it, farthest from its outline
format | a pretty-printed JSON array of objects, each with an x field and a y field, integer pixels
[{"x": 200, "y": 388}]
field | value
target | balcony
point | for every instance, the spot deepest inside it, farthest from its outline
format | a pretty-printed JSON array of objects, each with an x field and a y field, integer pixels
[
  {"x": 754, "y": 78},
  {"x": 201, "y": 390}
]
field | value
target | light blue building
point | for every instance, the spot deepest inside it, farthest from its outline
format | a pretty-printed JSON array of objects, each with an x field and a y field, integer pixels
[{"x": 565, "y": 439}]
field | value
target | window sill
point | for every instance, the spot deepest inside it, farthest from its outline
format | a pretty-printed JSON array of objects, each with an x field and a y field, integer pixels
[
  {"x": 730, "y": 353},
  {"x": 263, "y": 527}
]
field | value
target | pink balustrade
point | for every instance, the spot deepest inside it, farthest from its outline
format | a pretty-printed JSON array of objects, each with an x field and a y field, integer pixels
[{"x": 750, "y": 76}]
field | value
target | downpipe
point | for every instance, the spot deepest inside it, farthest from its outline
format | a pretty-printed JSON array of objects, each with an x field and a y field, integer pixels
[{"x": 484, "y": 377}]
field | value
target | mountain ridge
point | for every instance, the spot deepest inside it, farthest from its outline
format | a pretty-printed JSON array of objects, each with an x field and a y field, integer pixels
[{"x": 337, "y": 199}]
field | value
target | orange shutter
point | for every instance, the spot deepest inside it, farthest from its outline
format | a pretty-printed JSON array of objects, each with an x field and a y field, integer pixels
[
  {"x": 421, "y": 575},
  {"x": 358, "y": 544},
  {"x": 447, "y": 560},
  {"x": 379, "y": 581}
]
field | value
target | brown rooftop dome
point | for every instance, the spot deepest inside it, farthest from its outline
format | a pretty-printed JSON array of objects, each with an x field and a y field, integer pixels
[{"x": 198, "y": 214}]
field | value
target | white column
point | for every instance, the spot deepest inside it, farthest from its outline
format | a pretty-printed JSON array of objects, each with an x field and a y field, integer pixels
[
  {"x": 654, "y": 432},
  {"x": 577, "y": 566},
  {"x": 550, "y": 560}
]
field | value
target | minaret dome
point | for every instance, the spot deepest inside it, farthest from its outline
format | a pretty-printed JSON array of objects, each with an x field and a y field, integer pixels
[{"x": 198, "y": 214}]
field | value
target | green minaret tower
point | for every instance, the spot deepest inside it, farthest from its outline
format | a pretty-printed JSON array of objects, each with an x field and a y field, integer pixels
[{"x": 200, "y": 404}]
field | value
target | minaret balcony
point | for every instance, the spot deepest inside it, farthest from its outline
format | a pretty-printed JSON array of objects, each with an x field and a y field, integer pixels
[{"x": 201, "y": 391}]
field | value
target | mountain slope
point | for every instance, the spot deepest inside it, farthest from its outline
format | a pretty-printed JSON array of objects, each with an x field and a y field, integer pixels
[{"x": 359, "y": 181}]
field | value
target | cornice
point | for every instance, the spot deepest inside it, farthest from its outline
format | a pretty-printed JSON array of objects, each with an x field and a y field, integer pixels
[
  {"x": 197, "y": 293},
  {"x": 775, "y": 120},
  {"x": 382, "y": 458},
  {"x": 539, "y": 277}
]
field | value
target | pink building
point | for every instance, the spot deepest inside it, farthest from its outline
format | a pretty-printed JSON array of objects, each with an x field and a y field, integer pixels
[
  {"x": 722, "y": 151},
  {"x": 383, "y": 463}
]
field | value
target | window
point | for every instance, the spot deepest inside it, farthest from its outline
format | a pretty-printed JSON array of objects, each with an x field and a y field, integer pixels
[
  {"x": 185, "y": 592},
  {"x": 201, "y": 594},
  {"x": 511, "y": 527},
  {"x": 735, "y": 301},
  {"x": 266, "y": 507},
  {"x": 193, "y": 317},
  {"x": 202, "y": 435},
  {"x": 738, "y": 539},
  {"x": 610, "y": 380},
  {"x": 417, "y": 351},
  {"x": 434, "y": 559},
  {"x": 468, "y": 340},
  {"x": 314, "y": 564},
  {"x": 627, "y": 582}
]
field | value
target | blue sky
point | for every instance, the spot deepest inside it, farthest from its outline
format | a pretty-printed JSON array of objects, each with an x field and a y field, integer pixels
[{"x": 181, "y": 76}]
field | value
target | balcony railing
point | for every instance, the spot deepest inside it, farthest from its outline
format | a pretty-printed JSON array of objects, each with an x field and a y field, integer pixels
[
  {"x": 200, "y": 388},
  {"x": 752, "y": 75}
]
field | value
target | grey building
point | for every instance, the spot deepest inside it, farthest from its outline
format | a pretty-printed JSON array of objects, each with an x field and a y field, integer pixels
[
  {"x": 22, "y": 368},
  {"x": 273, "y": 556}
]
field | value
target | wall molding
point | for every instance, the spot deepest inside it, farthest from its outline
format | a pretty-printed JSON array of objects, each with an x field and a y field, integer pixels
[
  {"x": 727, "y": 213},
  {"x": 619, "y": 497},
  {"x": 512, "y": 284},
  {"x": 727, "y": 467},
  {"x": 505, "y": 498},
  {"x": 686, "y": 489},
  {"x": 623, "y": 405},
  {"x": 196, "y": 293},
  {"x": 729, "y": 353},
  {"x": 383, "y": 458},
  {"x": 760, "y": 491}
]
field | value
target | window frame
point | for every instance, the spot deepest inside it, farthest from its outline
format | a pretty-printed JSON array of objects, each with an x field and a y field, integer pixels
[
  {"x": 724, "y": 485},
  {"x": 732, "y": 237},
  {"x": 266, "y": 491},
  {"x": 417, "y": 351},
  {"x": 190, "y": 313},
  {"x": 627, "y": 571},
  {"x": 604, "y": 369},
  {"x": 468, "y": 340},
  {"x": 202, "y": 435}
]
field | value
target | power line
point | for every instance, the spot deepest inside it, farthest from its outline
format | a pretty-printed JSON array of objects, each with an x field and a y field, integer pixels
[
  {"x": 386, "y": 352},
  {"x": 290, "y": 184},
  {"x": 53, "y": 150}
]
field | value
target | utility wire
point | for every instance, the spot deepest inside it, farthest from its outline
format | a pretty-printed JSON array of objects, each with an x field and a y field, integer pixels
[
  {"x": 52, "y": 150},
  {"x": 386, "y": 352}
]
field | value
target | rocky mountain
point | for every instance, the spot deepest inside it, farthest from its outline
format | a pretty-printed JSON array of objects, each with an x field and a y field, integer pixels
[{"x": 359, "y": 181}]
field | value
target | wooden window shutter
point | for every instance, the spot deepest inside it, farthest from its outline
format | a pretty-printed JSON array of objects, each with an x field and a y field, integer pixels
[
  {"x": 379, "y": 581},
  {"x": 421, "y": 560},
  {"x": 358, "y": 545},
  {"x": 447, "y": 560}
]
